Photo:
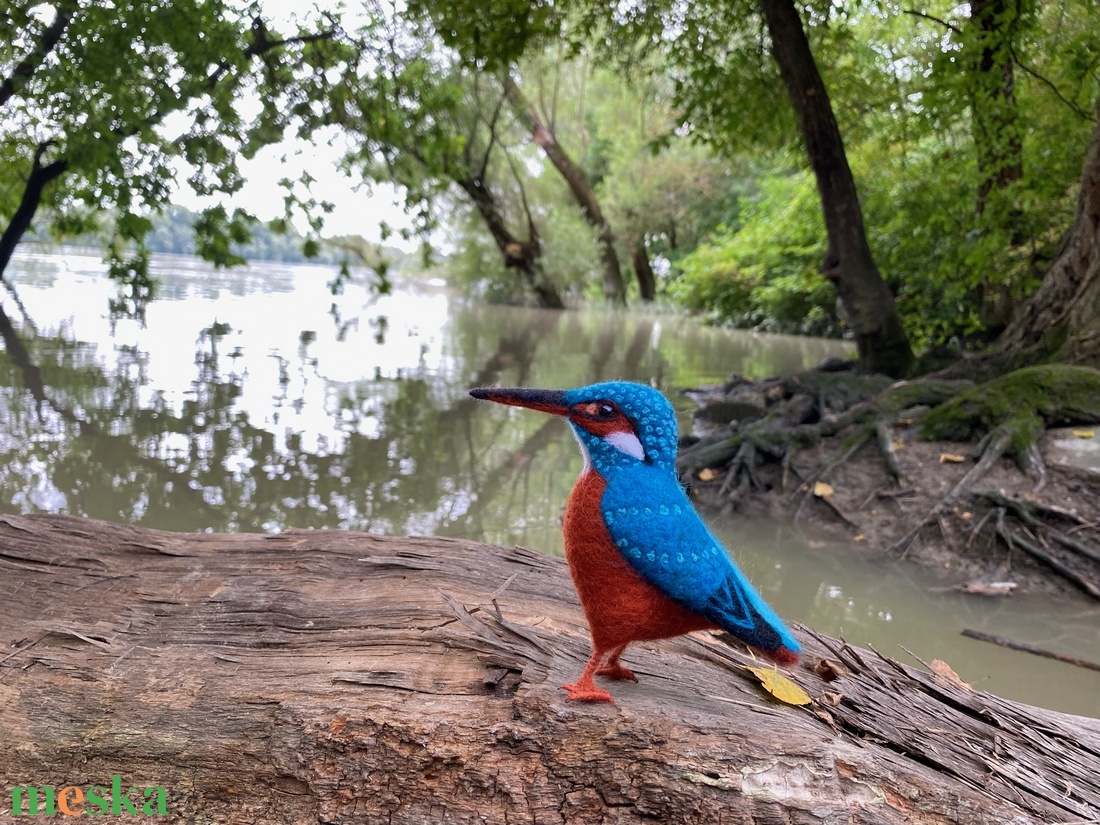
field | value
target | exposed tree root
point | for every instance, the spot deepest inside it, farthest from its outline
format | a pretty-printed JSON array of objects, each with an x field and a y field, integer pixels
[
  {"x": 840, "y": 404},
  {"x": 1026, "y": 508},
  {"x": 1015, "y": 538},
  {"x": 834, "y": 415},
  {"x": 994, "y": 450}
]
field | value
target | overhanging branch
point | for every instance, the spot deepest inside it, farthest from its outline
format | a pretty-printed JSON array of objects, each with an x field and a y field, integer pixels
[{"x": 26, "y": 67}]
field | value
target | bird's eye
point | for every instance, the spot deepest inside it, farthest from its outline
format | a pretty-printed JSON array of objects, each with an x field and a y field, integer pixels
[{"x": 598, "y": 410}]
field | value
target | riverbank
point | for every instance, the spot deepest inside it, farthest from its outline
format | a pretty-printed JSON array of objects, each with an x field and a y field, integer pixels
[{"x": 854, "y": 495}]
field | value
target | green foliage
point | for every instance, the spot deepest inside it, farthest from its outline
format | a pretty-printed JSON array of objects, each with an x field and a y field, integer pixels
[
  {"x": 216, "y": 231},
  {"x": 491, "y": 35},
  {"x": 966, "y": 181},
  {"x": 765, "y": 274},
  {"x": 904, "y": 88},
  {"x": 124, "y": 95},
  {"x": 136, "y": 287}
]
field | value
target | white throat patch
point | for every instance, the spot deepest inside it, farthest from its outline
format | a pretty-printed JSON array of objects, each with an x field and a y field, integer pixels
[
  {"x": 584, "y": 451},
  {"x": 626, "y": 443}
]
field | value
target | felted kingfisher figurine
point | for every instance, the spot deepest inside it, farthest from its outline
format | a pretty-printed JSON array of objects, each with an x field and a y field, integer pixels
[{"x": 644, "y": 564}]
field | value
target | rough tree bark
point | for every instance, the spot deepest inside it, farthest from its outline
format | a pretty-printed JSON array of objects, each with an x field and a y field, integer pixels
[
  {"x": 335, "y": 677},
  {"x": 849, "y": 264},
  {"x": 1061, "y": 319},
  {"x": 577, "y": 180}
]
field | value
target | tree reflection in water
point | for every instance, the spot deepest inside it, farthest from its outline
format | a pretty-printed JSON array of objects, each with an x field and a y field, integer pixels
[{"x": 309, "y": 434}]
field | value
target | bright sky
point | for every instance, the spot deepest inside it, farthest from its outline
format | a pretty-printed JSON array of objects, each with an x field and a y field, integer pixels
[{"x": 358, "y": 211}]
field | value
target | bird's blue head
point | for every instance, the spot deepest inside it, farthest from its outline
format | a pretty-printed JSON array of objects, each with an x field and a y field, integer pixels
[{"x": 617, "y": 423}]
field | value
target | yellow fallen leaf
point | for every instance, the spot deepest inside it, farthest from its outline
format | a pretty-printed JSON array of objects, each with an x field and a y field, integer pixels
[
  {"x": 821, "y": 489},
  {"x": 951, "y": 458},
  {"x": 1084, "y": 433},
  {"x": 708, "y": 474},
  {"x": 897, "y": 445},
  {"x": 780, "y": 686},
  {"x": 859, "y": 537}
]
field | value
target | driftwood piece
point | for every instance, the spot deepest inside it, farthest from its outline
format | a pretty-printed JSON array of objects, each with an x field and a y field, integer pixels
[
  {"x": 336, "y": 677},
  {"x": 1035, "y": 650}
]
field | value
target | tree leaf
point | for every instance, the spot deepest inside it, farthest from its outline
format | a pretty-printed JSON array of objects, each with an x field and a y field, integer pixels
[
  {"x": 780, "y": 686},
  {"x": 946, "y": 673}
]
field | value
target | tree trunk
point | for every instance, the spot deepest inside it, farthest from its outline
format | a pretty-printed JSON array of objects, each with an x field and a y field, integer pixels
[
  {"x": 643, "y": 271},
  {"x": 323, "y": 676},
  {"x": 579, "y": 186},
  {"x": 518, "y": 254},
  {"x": 997, "y": 138},
  {"x": 1061, "y": 320},
  {"x": 867, "y": 300},
  {"x": 40, "y": 177},
  {"x": 997, "y": 141}
]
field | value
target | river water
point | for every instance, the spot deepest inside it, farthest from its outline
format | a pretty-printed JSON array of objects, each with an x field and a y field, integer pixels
[{"x": 255, "y": 400}]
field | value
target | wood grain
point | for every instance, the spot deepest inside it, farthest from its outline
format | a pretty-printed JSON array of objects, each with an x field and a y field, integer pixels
[{"x": 339, "y": 677}]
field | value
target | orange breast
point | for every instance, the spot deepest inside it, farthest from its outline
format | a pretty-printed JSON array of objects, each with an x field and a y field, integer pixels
[{"x": 619, "y": 604}]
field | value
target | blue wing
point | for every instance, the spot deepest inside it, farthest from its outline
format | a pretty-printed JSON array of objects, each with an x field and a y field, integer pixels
[{"x": 659, "y": 533}]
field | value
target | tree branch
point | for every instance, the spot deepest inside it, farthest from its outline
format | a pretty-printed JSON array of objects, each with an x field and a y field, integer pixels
[
  {"x": 1071, "y": 105},
  {"x": 492, "y": 124},
  {"x": 38, "y": 53},
  {"x": 934, "y": 19},
  {"x": 20, "y": 222}
]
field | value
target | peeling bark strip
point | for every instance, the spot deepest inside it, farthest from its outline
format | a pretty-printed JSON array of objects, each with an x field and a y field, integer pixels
[{"x": 339, "y": 678}]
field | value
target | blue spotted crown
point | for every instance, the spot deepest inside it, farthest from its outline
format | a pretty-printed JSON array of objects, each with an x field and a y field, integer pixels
[{"x": 653, "y": 417}]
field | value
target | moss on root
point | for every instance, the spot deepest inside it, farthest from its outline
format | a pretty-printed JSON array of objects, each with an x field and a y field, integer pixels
[{"x": 1022, "y": 402}]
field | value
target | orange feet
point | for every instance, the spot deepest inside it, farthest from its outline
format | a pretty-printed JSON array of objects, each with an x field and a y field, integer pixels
[
  {"x": 613, "y": 670},
  {"x": 603, "y": 663},
  {"x": 582, "y": 692}
]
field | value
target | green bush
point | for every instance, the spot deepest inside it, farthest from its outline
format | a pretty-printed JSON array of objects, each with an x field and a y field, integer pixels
[{"x": 764, "y": 274}]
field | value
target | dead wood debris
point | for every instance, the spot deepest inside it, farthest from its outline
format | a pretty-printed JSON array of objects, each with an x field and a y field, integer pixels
[{"x": 1012, "y": 644}]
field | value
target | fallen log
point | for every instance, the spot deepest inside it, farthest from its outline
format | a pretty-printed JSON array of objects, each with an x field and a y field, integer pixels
[{"x": 338, "y": 677}]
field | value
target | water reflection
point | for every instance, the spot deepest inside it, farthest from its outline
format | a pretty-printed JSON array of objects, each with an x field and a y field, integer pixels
[{"x": 254, "y": 400}]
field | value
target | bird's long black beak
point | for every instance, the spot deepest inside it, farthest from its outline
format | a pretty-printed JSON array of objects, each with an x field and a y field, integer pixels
[{"x": 547, "y": 401}]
